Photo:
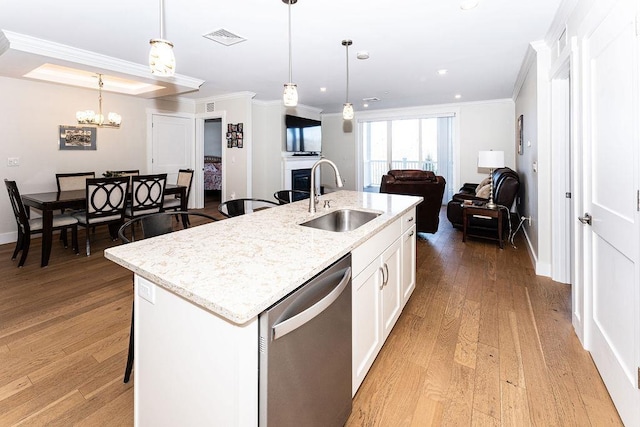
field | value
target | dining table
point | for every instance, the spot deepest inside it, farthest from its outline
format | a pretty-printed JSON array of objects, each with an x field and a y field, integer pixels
[{"x": 56, "y": 201}]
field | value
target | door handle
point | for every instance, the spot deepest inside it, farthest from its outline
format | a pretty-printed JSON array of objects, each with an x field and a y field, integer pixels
[
  {"x": 300, "y": 319},
  {"x": 586, "y": 219}
]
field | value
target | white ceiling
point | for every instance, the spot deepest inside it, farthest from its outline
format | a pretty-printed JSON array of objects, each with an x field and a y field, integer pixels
[{"x": 408, "y": 41}]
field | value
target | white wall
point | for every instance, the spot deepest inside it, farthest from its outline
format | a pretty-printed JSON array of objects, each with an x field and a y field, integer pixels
[
  {"x": 534, "y": 165},
  {"x": 213, "y": 138},
  {"x": 268, "y": 136},
  {"x": 478, "y": 126},
  {"x": 237, "y": 161},
  {"x": 30, "y": 113}
]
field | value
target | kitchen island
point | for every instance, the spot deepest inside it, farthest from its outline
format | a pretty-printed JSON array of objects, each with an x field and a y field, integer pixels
[{"x": 198, "y": 294}]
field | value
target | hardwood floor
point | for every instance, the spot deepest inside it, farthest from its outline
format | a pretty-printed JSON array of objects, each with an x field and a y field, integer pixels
[{"x": 483, "y": 341}]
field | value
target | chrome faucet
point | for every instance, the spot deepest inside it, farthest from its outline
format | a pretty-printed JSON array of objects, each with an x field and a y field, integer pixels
[{"x": 313, "y": 199}]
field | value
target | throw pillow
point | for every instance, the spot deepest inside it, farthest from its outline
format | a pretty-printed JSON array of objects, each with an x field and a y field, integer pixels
[
  {"x": 484, "y": 191},
  {"x": 484, "y": 182}
]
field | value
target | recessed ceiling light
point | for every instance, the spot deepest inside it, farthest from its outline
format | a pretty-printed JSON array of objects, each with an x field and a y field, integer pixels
[
  {"x": 363, "y": 54},
  {"x": 442, "y": 72},
  {"x": 365, "y": 105},
  {"x": 468, "y": 4},
  {"x": 323, "y": 89},
  {"x": 458, "y": 96}
]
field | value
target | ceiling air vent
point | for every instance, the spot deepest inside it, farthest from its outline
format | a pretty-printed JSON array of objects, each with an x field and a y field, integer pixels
[
  {"x": 371, "y": 99},
  {"x": 224, "y": 37}
]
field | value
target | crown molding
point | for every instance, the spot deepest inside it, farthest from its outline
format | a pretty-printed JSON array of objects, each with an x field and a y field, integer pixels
[{"x": 47, "y": 51}]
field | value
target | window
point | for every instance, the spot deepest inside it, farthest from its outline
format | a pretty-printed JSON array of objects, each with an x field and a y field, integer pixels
[{"x": 417, "y": 143}]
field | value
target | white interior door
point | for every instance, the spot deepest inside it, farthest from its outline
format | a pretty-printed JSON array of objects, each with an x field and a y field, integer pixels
[
  {"x": 612, "y": 129},
  {"x": 173, "y": 142}
]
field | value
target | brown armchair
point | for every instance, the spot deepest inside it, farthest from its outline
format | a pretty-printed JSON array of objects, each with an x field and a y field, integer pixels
[
  {"x": 506, "y": 184},
  {"x": 416, "y": 182}
]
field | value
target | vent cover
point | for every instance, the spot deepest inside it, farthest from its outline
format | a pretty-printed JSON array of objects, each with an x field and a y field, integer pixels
[
  {"x": 224, "y": 37},
  {"x": 210, "y": 107},
  {"x": 371, "y": 99}
]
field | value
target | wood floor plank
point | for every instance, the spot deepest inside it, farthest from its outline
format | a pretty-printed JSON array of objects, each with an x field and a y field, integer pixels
[{"x": 483, "y": 341}]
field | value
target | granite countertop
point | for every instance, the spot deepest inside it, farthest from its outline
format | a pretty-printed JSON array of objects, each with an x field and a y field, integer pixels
[{"x": 238, "y": 267}]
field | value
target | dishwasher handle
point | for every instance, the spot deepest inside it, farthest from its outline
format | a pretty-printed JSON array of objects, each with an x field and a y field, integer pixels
[{"x": 293, "y": 323}]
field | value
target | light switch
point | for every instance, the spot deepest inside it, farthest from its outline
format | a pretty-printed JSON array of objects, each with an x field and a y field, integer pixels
[{"x": 13, "y": 161}]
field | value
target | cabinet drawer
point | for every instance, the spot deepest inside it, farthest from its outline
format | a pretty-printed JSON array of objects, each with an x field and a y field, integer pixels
[
  {"x": 408, "y": 220},
  {"x": 364, "y": 254}
]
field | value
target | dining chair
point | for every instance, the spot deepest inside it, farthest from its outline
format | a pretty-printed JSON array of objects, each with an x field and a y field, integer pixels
[
  {"x": 105, "y": 205},
  {"x": 153, "y": 225},
  {"x": 147, "y": 194},
  {"x": 73, "y": 181},
  {"x": 28, "y": 226},
  {"x": 237, "y": 207},
  {"x": 287, "y": 196},
  {"x": 174, "y": 202}
]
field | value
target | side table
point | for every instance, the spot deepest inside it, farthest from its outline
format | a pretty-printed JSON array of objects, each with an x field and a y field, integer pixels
[{"x": 469, "y": 211}]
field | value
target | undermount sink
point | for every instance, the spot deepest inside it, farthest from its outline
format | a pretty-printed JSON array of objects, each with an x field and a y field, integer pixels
[{"x": 342, "y": 220}]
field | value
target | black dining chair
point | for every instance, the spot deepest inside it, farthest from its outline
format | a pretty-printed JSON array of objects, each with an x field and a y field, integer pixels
[
  {"x": 237, "y": 207},
  {"x": 147, "y": 194},
  {"x": 287, "y": 196},
  {"x": 28, "y": 226},
  {"x": 105, "y": 205},
  {"x": 153, "y": 225}
]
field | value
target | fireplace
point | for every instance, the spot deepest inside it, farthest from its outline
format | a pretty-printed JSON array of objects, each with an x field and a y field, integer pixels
[
  {"x": 290, "y": 164},
  {"x": 301, "y": 179}
]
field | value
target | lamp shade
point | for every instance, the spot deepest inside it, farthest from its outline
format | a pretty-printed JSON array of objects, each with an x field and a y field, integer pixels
[{"x": 491, "y": 159}]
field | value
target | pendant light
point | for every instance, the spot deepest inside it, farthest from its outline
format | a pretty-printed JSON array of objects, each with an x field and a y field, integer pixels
[
  {"x": 290, "y": 96},
  {"x": 347, "y": 110},
  {"x": 162, "y": 61}
]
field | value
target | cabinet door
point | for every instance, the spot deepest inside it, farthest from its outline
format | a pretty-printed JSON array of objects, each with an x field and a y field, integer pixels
[
  {"x": 367, "y": 325},
  {"x": 408, "y": 264},
  {"x": 391, "y": 291}
]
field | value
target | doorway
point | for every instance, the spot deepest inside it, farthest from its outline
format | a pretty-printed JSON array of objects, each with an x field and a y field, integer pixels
[{"x": 213, "y": 166}]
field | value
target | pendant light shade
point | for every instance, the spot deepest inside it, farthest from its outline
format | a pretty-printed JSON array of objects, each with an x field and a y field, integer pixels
[
  {"x": 347, "y": 110},
  {"x": 290, "y": 96},
  {"x": 162, "y": 61}
]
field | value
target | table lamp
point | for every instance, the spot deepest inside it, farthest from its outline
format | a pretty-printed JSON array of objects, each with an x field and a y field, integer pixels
[{"x": 491, "y": 160}]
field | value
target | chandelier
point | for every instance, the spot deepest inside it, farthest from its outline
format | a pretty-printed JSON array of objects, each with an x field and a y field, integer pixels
[
  {"x": 290, "y": 96},
  {"x": 162, "y": 61},
  {"x": 89, "y": 117}
]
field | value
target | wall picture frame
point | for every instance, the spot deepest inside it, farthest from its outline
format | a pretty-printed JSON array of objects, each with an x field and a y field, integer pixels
[
  {"x": 520, "y": 134},
  {"x": 77, "y": 137}
]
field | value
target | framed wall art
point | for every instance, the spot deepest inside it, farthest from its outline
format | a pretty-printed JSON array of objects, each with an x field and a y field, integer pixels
[
  {"x": 77, "y": 138},
  {"x": 234, "y": 135},
  {"x": 520, "y": 135}
]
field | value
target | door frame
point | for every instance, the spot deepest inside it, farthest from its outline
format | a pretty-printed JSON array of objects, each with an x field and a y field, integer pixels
[{"x": 199, "y": 155}]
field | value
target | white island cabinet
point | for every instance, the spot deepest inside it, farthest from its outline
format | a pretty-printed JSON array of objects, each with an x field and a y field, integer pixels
[
  {"x": 198, "y": 293},
  {"x": 383, "y": 279}
]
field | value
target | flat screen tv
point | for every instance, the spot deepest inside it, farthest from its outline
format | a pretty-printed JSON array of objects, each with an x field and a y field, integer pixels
[{"x": 304, "y": 136}]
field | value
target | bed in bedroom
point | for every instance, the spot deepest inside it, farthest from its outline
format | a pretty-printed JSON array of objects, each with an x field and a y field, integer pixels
[{"x": 212, "y": 173}]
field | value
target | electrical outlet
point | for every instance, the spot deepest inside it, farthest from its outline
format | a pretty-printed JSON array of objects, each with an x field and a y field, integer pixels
[{"x": 147, "y": 292}]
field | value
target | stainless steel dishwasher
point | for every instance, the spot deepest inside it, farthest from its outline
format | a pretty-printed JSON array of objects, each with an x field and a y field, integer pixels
[{"x": 305, "y": 353}]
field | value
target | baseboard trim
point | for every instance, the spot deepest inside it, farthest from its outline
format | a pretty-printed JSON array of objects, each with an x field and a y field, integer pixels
[
  {"x": 542, "y": 269},
  {"x": 11, "y": 237}
]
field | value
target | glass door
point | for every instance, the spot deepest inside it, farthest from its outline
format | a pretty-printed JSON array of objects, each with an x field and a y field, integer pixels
[{"x": 420, "y": 143}]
